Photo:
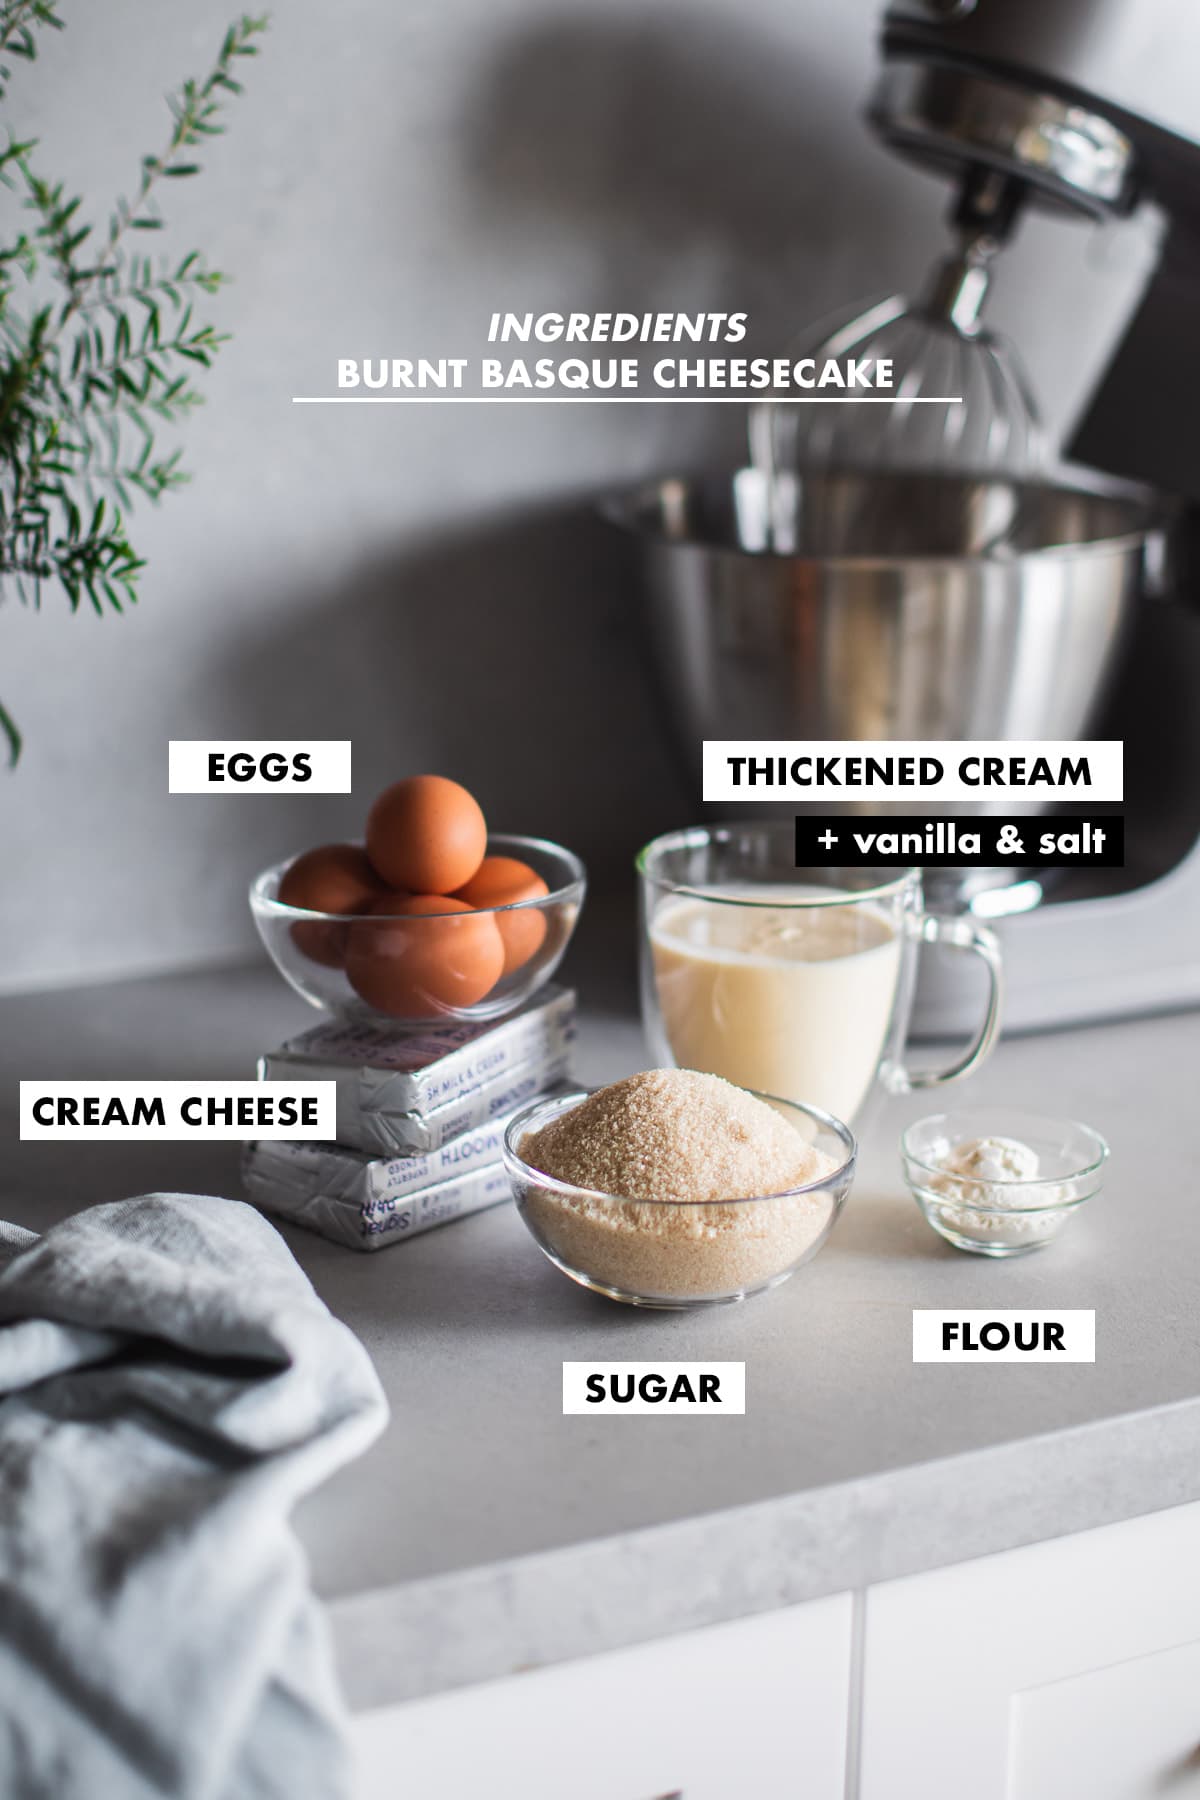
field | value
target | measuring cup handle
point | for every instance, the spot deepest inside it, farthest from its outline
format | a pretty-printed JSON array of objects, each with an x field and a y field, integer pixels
[{"x": 957, "y": 934}]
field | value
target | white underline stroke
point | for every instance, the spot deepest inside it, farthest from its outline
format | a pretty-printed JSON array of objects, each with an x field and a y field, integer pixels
[{"x": 625, "y": 399}]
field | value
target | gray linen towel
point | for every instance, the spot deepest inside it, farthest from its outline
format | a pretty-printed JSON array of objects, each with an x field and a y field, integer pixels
[{"x": 170, "y": 1385}]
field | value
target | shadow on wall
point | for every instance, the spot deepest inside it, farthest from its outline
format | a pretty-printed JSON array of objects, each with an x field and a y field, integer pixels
[
  {"x": 506, "y": 653},
  {"x": 706, "y": 141}
]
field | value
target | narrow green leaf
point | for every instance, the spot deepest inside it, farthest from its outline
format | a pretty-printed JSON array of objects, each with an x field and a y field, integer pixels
[{"x": 11, "y": 735}]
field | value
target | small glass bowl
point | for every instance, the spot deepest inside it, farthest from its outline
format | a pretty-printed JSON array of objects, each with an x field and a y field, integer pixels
[
  {"x": 1002, "y": 1218},
  {"x": 543, "y": 928},
  {"x": 671, "y": 1254}
]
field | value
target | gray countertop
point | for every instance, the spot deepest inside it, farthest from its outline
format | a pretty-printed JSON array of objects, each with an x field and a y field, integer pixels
[{"x": 486, "y": 1533}]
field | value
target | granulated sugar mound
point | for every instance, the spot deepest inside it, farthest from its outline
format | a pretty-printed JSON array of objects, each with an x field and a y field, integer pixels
[
  {"x": 675, "y": 1135},
  {"x": 704, "y": 1166}
]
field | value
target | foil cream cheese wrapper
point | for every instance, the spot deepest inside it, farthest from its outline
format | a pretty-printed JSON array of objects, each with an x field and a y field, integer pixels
[
  {"x": 366, "y": 1121},
  {"x": 390, "y": 1082},
  {"x": 368, "y": 1202}
]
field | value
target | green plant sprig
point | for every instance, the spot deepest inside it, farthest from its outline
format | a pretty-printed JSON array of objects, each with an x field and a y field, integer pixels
[
  {"x": 17, "y": 21},
  {"x": 87, "y": 376}
]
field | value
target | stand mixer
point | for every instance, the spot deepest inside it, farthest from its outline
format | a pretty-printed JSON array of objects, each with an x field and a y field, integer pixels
[
  {"x": 1085, "y": 107},
  {"x": 981, "y": 600}
]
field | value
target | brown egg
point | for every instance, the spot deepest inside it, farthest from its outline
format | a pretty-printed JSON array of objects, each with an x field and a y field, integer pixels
[
  {"x": 426, "y": 835},
  {"x": 411, "y": 966},
  {"x": 336, "y": 878},
  {"x": 501, "y": 881}
]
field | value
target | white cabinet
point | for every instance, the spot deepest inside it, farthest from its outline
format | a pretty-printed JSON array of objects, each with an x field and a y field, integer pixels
[
  {"x": 1128, "y": 1731},
  {"x": 1066, "y": 1671},
  {"x": 758, "y": 1707},
  {"x": 1069, "y": 1670}
]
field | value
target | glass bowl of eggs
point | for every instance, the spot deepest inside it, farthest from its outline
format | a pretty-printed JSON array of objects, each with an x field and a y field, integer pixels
[{"x": 430, "y": 918}]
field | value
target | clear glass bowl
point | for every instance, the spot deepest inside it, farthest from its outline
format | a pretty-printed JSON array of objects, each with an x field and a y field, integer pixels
[
  {"x": 422, "y": 955},
  {"x": 1002, "y": 1218},
  {"x": 670, "y": 1254}
]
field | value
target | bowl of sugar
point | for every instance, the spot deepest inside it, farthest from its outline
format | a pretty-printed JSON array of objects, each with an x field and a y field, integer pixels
[{"x": 676, "y": 1189}]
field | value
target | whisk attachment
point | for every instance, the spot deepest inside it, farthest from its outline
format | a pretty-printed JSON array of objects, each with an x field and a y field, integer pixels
[
  {"x": 958, "y": 286},
  {"x": 962, "y": 400}
]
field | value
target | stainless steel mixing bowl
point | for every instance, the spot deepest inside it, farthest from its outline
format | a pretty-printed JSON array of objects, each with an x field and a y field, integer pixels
[{"x": 885, "y": 605}]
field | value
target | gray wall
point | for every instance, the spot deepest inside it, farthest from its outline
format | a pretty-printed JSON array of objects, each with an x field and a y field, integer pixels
[{"x": 426, "y": 581}]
